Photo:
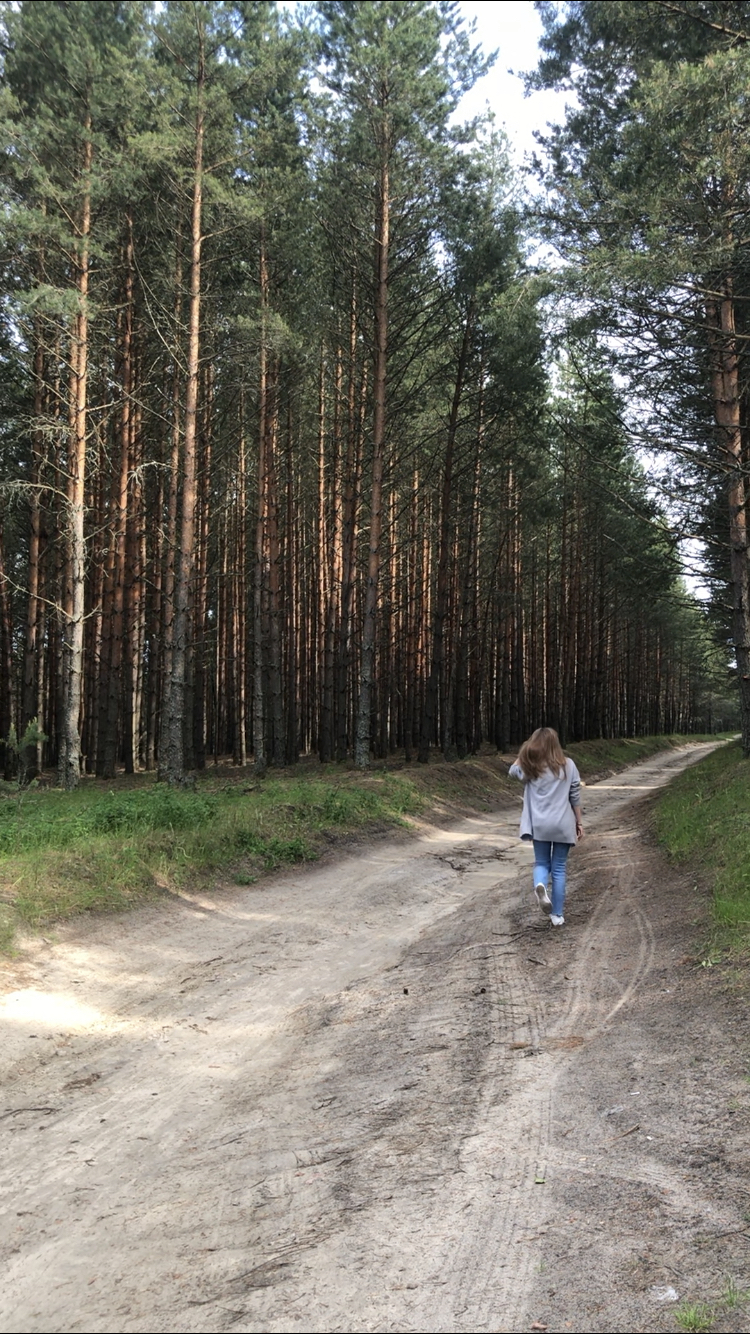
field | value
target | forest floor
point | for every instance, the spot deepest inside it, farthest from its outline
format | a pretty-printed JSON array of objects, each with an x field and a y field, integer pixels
[{"x": 382, "y": 1093}]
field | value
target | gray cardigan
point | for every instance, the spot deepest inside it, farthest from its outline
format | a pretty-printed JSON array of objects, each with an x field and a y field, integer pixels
[{"x": 548, "y": 803}]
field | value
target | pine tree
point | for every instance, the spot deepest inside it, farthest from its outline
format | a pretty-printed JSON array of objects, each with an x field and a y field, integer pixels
[
  {"x": 396, "y": 72},
  {"x": 650, "y": 168}
]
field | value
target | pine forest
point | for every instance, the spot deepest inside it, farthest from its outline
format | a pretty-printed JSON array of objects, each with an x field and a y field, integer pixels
[{"x": 326, "y": 430}]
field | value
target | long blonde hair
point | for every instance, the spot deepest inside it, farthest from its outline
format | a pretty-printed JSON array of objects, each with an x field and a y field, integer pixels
[{"x": 541, "y": 751}]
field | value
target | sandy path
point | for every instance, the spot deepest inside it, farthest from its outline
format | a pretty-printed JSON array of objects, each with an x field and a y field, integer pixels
[{"x": 306, "y": 1105}]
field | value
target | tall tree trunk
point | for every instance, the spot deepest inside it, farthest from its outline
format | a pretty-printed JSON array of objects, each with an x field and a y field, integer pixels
[
  {"x": 413, "y": 589},
  {"x": 334, "y": 572},
  {"x": 170, "y": 543},
  {"x": 352, "y": 485},
  {"x": 153, "y": 636},
  {"x": 30, "y": 702},
  {"x": 367, "y": 665},
  {"x": 290, "y": 601},
  {"x": 467, "y": 630},
  {"x": 440, "y": 610},
  {"x": 275, "y": 673},
  {"x": 69, "y": 759},
  {"x": 114, "y": 590},
  {"x": 260, "y": 756},
  {"x": 135, "y": 561},
  {"x": 238, "y": 608},
  {"x": 172, "y": 752},
  {"x": 725, "y": 384},
  {"x": 201, "y": 625},
  {"x": 7, "y": 691}
]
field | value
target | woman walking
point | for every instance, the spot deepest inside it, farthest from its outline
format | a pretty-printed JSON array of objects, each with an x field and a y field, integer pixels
[{"x": 551, "y": 816}]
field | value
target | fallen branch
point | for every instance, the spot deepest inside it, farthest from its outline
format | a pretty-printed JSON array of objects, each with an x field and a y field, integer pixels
[
  {"x": 623, "y": 1133},
  {"x": 16, "y": 1111},
  {"x": 485, "y": 945}
]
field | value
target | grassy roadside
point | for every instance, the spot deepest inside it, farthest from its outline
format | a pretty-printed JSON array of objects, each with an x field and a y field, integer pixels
[
  {"x": 603, "y": 756},
  {"x": 100, "y": 849},
  {"x": 109, "y": 847},
  {"x": 703, "y": 819}
]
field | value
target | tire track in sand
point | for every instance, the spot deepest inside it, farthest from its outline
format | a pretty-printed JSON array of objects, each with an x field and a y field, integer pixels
[{"x": 508, "y": 1164}]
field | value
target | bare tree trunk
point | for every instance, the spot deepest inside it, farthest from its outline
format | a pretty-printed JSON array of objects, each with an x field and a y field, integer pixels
[
  {"x": 260, "y": 758},
  {"x": 429, "y": 714},
  {"x": 153, "y": 635},
  {"x": 352, "y": 483},
  {"x": 97, "y": 505},
  {"x": 321, "y": 554},
  {"x": 332, "y": 607},
  {"x": 238, "y": 608},
  {"x": 201, "y": 626},
  {"x": 114, "y": 590},
  {"x": 69, "y": 760},
  {"x": 134, "y": 606},
  {"x": 726, "y": 389},
  {"x": 413, "y": 589},
  {"x": 170, "y": 543},
  {"x": 517, "y": 666},
  {"x": 275, "y": 678},
  {"x": 172, "y": 756},
  {"x": 7, "y": 691},
  {"x": 367, "y": 667},
  {"x": 32, "y": 758},
  {"x": 291, "y": 599},
  {"x": 467, "y": 620}
]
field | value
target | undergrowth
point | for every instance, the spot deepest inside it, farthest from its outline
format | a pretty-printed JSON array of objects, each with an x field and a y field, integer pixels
[
  {"x": 64, "y": 853},
  {"x": 593, "y": 757},
  {"x": 703, "y": 819}
]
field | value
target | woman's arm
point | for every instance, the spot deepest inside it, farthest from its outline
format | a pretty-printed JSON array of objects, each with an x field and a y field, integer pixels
[{"x": 575, "y": 801}]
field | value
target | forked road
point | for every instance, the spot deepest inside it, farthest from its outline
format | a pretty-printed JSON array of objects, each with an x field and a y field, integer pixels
[{"x": 309, "y": 1105}]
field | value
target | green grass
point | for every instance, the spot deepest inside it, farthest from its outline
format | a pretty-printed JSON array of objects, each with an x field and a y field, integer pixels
[
  {"x": 62, "y": 821},
  {"x": 694, "y": 1317},
  {"x": 703, "y": 818},
  {"x": 698, "y": 1317},
  {"x": 733, "y": 1297},
  {"x": 593, "y": 757},
  {"x": 94, "y": 850}
]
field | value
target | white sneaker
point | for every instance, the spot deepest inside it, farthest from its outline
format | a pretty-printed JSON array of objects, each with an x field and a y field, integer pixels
[
  {"x": 543, "y": 898},
  {"x": 556, "y": 921}
]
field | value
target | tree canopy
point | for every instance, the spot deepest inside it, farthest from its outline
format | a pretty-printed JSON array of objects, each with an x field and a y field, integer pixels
[{"x": 649, "y": 201}]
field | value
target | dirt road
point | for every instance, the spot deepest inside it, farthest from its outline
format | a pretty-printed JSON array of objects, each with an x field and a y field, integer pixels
[{"x": 381, "y": 1094}]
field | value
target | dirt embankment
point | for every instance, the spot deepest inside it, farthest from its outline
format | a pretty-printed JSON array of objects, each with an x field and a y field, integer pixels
[{"x": 383, "y": 1094}]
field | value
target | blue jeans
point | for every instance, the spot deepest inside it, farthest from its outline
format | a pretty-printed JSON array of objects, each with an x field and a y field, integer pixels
[{"x": 549, "y": 860}]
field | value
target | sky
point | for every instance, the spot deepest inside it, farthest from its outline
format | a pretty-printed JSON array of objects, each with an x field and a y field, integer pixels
[{"x": 513, "y": 29}]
